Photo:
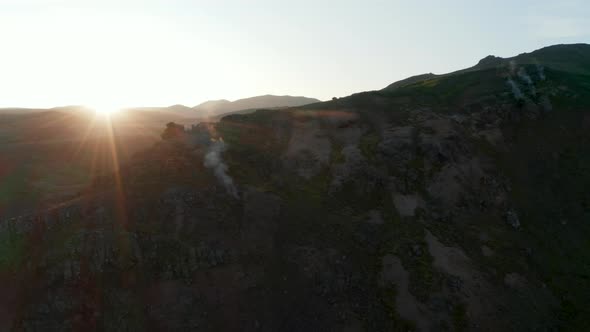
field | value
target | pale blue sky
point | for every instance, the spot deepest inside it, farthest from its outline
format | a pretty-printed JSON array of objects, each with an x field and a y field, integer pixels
[{"x": 162, "y": 52}]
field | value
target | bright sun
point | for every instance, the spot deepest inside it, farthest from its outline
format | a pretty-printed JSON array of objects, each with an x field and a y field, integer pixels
[{"x": 105, "y": 109}]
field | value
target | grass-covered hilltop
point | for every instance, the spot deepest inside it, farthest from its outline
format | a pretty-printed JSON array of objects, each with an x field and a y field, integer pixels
[{"x": 456, "y": 202}]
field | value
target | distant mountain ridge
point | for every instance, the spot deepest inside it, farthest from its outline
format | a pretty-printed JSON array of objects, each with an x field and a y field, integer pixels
[
  {"x": 210, "y": 108},
  {"x": 212, "y": 105},
  {"x": 217, "y": 107}
]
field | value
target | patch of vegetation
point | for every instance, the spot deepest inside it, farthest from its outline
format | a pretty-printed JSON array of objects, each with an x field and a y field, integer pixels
[
  {"x": 313, "y": 191},
  {"x": 459, "y": 317},
  {"x": 417, "y": 163},
  {"x": 424, "y": 279},
  {"x": 368, "y": 145},
  {"x": 486, "y": 148},
  {"x": 336, "y": 156},
  {"x": 360, "y": 195},
  {"x": 12, "y": 250},
  {"x": 405, "y": 238},
  {"x": 570, "y": 91},
  {"x": 387, "y": 297},
  {"x": 14, "y": 186}
]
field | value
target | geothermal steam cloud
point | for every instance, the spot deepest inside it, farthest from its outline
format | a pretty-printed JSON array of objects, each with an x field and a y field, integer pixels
[
  {"x": 528, "y": 80},
  {"x": 214, "y": 161},
  {"x": 541, "y": 72},
  {"x": 515, "y": 90}
]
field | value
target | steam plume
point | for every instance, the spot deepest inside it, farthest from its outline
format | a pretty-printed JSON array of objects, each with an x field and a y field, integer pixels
[
  {"x": 214, "y": 161},
  {"x": 515, "y": 89},
  {"x": 512, "y": 66},
  {"x": 541, "y": 72},
  {"x": 527, "y": 79},
  {"x": 524, "y": 76}
]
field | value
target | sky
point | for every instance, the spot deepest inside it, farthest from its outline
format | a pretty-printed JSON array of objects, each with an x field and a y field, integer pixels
[{"x": 118, "y": 53}]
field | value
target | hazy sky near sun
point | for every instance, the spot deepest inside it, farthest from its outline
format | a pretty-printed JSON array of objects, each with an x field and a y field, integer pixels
[{"x": 162, "y": 52}]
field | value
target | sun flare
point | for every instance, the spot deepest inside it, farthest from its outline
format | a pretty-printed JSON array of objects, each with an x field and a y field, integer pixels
[{"x": 105, "y": 109}]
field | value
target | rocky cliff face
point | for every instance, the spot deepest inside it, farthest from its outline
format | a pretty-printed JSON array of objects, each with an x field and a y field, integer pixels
[{"x": 456, "y": 203}]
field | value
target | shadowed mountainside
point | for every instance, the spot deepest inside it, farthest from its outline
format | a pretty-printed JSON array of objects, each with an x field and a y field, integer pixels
[
  {"x": 574, "y": 58},
  {"x": 455, "y": 203}
]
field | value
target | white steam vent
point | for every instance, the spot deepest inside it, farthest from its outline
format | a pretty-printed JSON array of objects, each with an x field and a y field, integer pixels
[{"x": 214, "y": 161}]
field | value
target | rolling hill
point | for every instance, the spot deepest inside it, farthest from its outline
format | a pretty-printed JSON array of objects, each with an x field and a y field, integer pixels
[{"x": 218, "y": 107}]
